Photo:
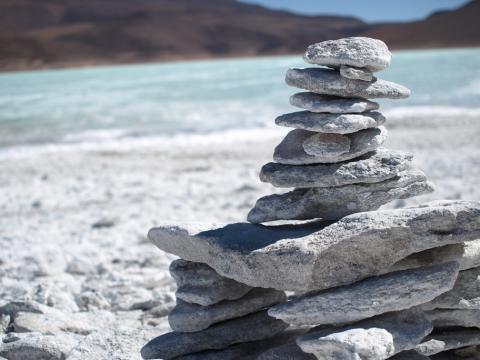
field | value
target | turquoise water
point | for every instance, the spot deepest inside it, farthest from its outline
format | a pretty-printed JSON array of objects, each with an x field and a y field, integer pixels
[{"x": 93, "y": 104}]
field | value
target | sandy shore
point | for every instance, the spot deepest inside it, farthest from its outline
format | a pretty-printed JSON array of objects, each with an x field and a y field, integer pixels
[{"x": 74, "y": 219}]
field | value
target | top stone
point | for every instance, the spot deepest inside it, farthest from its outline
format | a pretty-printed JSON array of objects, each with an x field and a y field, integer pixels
[{"x": 359, "y": 52}]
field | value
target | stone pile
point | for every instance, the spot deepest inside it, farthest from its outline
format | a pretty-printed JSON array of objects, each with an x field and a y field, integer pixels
[{"x": 363, "y": 283}]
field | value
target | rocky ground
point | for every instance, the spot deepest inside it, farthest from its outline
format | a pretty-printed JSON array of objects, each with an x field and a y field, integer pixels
[{"x": 76, "y": 270}]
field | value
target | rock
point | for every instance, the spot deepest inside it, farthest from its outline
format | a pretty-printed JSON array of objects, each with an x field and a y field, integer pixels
[
  {"x": 331, "y": 123},
  {"x": 370, "y": 297},
  {"x": 319, "y": 255},
  {"x": 199, "y": 284},
  {"x": 335, "y": 105},
  {"x": 447, "y": 318},
  {"x": 448, "y": 340},
  {"x": 291, "y": 150},
  {"x": 330, "y": 82},
  {"x": 187, "y": 317},
  {"x": 464, "y": 295},
  {"x": 375, "y": 167},
  {"x": 50, "y": 294},
  {"x": 4, "y": 323},
  {"x": 11, "y": 308},
  {"x": 333, "y": 203},
  {"x": 289, "y": 351},
  {"x": 409, "y": 355},
  {"x": 354, "y": 73},
  {"x": 377, "y": 338},
  {"x": 361, "y": 52},
  {"x": 327, "y": 145},
  {"x": 34, "y": 346},
  {"x": 253, "y": 327}
]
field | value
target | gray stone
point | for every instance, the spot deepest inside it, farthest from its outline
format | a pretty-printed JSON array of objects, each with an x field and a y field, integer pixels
[
  {"x": 361, "y": 52},
  {"x": 447, "y": 318},
  {"x": 376, "y": 338},
  {"x": 35, "y": 346},
  {"x": 291, "y": 150},
  {"x": 327, "y": 145},
  {"x": 199, "y": 284},
  {"x": 373, "y": 296},
  {"x": 253, "y": 327},
  {"x": 319, "y": 255},
  {"x": 331, "y": 123},
  {"x": 317, "y": 103},
  {"x": 286, "y": 352},
  {"x": 330, "y": 82},
  {"x": 333, "y": 203},
  {"x": 4, "y": 323},
  {"x": 464, "y": 295},
  {"x": 375, "y": 167},
  {"x": 354, "y": 73},
  {"x": 448, "y": 340},
  {"x": 409, "y": 355},
  {"x": 187, "y": 317}
]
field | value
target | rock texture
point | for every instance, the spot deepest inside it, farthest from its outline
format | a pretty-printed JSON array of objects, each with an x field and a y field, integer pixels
[
  {"x": 354, "y": 73},
  {"x": 317, "y": 103},
  {"x": 377, "y": 338},
  {"x": 374, "y": 167},
  {"x": 253, "y": 327},
  {"x": 327, "y": 145},
  {"x": 448, "y": 318},
  {"x": 187, "y": 317},
  {"x": 291, "y": 150},
  {"x": 199, "y": 284},
  {"x": 374, "y": 296},
  {"x": 447, "y": 340},
  {"x": 330, "y": 82},
  {"x": 360, "y": 52},
  {"x": 302, "y": 257},
  {"x": 333, "y": 203}
]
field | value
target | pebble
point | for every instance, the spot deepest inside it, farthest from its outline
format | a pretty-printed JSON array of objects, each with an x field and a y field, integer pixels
[{"x": 331, "y": 104}]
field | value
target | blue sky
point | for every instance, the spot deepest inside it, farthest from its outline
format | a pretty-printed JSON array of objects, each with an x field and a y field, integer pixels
[{"x": 370, "y": 10}]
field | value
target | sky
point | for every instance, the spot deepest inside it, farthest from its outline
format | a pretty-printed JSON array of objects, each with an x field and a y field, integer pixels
[{"x": 369, "y": 10}]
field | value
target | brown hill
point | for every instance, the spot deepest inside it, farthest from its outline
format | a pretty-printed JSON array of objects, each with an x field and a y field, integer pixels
[{"x": 57, "y": 33}]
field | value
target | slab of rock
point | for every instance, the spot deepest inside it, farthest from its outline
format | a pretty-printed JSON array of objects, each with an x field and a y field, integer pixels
[
  {"x": 409, "y": 355},
  {"x": 35, "y": 346},
  {"x": 376, "y": 338},
  {"x": 354, "y": 73},
  {"x": 288, "y": 351},
  {"x": 330, "y": 82},
  {"x": 448, "y": 340},
  {"x": 252, "y": 327},
  {"x": 187, "y": 317},
  {"x": 291, "y": 151},
  {"x": 360, "y": 52},
  {"x": 448, "y": 318},
  {"x": 375, "y": 167},
  {"x": 373, "y": 296},
  {"x": 333, "y": 203},
  {"x": 464, "y": 295},
  {"x": 327, "y": 145},
  {"x": 320, "y": 255},
  {"x": 317, "y": 103},
  {"x": 199, "y": 284}
]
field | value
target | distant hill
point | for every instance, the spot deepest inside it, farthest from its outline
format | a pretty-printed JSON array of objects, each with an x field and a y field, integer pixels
[{"x": 58, "y": 33}]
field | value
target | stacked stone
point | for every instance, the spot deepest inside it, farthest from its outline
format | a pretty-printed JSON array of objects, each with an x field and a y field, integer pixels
[
  {"x": 365, "y": 284},
  {"x": 333, "y": 158}
]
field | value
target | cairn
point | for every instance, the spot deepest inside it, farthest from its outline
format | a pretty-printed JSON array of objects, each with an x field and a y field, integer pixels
[{"x": 364, "y": 284}]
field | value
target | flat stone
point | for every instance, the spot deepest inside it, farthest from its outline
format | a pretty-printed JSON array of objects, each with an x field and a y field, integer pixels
[
  {"x": 330, "y": 82},
  {"x": 464, "y": 295},
  {"x": 374, "y": 167},
  {"x": 286, "y": 352},
  {"x": 317, "y": 103},
  {"x": 354, "y": 73},
  {"x": 35, "y": 346},
  {"x": 319, "y": 255},
  {"x": 327, "y": 145},
  {"x": 333, "y": 203},
  {"x": 361, "y": 52},
  {"x": 252, "y": 327},
  {"x": 448, "y": 318},
  {"x": 376, "y": 338},
  {"x": 448, "y": 340},
  {"x": 409, "y": 355},
  {"x": 187, "y": 317},
  {"x": 370, "y": 297},
  {"x": 291, "y": 150},
  {"x": 199, "y": 284}
]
